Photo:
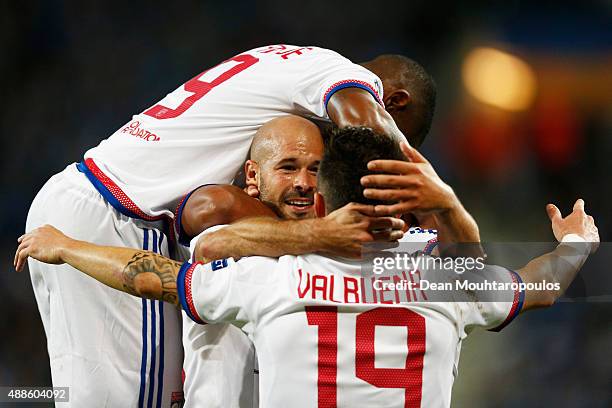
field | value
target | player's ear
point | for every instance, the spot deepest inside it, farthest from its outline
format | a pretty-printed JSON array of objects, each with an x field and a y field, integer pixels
[
  {"x": 251, "y": 173},
  {"x": 397, "y": 100},
  {"x": 319, "y": 205}
]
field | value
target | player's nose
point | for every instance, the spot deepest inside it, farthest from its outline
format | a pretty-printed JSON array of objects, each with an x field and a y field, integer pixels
[{"x": 304, "y": 181}]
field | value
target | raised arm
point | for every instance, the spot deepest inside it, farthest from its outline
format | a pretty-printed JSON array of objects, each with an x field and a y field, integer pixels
[
  {"x": 139, "y": 273},
  {"x": 414, "y": 187},
  {"x": 579, "y": 237},
  {"x": 356, "y": 107}
]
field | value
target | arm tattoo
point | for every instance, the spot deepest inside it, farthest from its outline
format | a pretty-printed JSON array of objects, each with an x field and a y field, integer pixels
[{"x": 150, "y": 275}]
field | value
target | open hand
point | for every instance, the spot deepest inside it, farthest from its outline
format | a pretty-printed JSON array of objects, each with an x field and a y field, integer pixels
[
  {"x": 414, "y": 186},
  {"x": 578, "y": 222}
]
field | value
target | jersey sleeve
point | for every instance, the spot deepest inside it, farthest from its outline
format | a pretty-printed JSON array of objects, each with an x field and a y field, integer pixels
[
  {"x": 181, "y": 236},
  {"x": 495, "y": 306},
  {"x": 329, "y": 73},
  {"x": 225, "y": 290}
]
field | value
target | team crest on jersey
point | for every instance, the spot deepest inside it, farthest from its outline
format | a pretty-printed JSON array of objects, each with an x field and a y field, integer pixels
[{"x": 218, "y": 264}]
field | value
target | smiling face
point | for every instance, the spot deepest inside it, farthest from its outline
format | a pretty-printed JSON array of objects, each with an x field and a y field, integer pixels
[{"x": 284, "y": 164}]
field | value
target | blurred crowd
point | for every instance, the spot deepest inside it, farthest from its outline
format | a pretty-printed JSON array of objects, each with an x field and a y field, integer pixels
[{"x": 524, "y": 117}]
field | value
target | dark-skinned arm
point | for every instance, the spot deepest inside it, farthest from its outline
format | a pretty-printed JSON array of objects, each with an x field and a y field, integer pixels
[
  {"x": 357, "y": 107},
  {"x": 219, "y": 205},
  {"x": 414, "y": 187}
]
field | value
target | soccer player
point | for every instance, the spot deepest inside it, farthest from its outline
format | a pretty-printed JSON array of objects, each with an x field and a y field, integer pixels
[
  {"x": 114, "y": 350},
  {"x": 284, "y": 159},
  {"x": 318, "y": 340}
]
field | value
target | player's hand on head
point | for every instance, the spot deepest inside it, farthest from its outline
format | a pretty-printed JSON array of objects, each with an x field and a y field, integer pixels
[
  {"x": 411, "y": 186},
  {"x": 345, "y": 230},
  {"x": 44, "y": 244},
  {"x": 577, "y": 222}
]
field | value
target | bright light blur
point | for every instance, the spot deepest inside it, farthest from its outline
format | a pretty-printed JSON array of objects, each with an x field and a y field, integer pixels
[{"x": 497, "y": 78}]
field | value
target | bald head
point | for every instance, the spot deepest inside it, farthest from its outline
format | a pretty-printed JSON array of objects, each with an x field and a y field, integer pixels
[
  {"x": 410, "y": 94},
  {"x": 285, "y": 156},
  {"x": 278, "y": 133}
]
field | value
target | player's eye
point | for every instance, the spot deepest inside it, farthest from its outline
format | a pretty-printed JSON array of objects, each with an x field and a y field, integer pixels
[{"x": 287, "y": 167}]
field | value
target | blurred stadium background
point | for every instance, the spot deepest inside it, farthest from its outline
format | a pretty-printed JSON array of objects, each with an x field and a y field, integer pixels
[{"x": 524, "y": 118}]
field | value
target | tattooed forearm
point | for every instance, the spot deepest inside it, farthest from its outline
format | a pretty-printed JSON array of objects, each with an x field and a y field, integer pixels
[{"x": 151, "y": 276}]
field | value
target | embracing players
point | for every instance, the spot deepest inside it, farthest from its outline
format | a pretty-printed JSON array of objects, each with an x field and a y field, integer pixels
[
  {"x": 317, "y": 342},
  {"x": 125, "y": 189}
]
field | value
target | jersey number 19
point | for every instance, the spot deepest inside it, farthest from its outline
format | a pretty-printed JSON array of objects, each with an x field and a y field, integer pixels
[{"x": 410, "y": 377}]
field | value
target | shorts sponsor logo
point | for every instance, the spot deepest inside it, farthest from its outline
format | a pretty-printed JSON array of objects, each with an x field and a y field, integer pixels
[{"x": 177, "y": 399}]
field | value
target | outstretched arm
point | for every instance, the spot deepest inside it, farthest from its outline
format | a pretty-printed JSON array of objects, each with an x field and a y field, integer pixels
[
  {"x": 579, "y": 237},
  {"x": 356, "y": 107},
  {"x": 139, "y": 273}
]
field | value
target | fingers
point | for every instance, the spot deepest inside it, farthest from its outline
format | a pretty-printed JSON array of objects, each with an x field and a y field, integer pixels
[
  {"x": 413, "y": 154},
  {"x": 386, "y": 180},
  {"x": 364, "y": 209},
  {"x": 392, "y": 166},
  {"x": 553, "y": 212},
  {"x": 389, "y": 195},
  {"x": 403, "y": 207},
  {"x": 387, "y": 236},
  {"x": 21, "y": 257},
  {"x": 579, "y": 205},
  {"x": 386, "y": 223}
]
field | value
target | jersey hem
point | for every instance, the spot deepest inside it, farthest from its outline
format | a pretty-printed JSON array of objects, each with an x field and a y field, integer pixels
[{"x": 112, "y": 193}]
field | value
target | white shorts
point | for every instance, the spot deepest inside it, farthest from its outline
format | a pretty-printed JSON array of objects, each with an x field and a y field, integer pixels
[
  {"x": 112, "y": 349},
  {"x": 220, "y": 366}
]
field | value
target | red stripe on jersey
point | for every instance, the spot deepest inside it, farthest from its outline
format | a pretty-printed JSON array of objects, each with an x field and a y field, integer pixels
[
  {"x": 119, "y": 195},
  {"x": 516, "y": 302},
  {"x": 349, "y": 81},
  {"x": 188, "y": 293}
]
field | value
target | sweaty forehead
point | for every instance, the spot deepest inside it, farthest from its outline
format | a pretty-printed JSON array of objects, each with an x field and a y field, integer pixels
[{"x": 285, "y": 137}]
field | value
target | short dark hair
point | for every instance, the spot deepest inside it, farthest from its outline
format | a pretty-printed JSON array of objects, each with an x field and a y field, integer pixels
[
  {"x": 402, "y": 72},
  {"x": 417, "y": 80},
  {"x": 345, "y": 162}
]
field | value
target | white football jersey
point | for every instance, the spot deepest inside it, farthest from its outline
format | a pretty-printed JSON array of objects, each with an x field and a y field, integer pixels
[
  {"x": 324, "y": 340},
  {"x": 201, "y": 132},
  {"x": 220, "y": 360}
]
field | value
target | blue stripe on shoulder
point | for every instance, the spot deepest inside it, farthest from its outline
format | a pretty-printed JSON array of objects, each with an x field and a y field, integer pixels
[
  {"x": 108, "y": 196},
  {"x": 345, "y": 85}
]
